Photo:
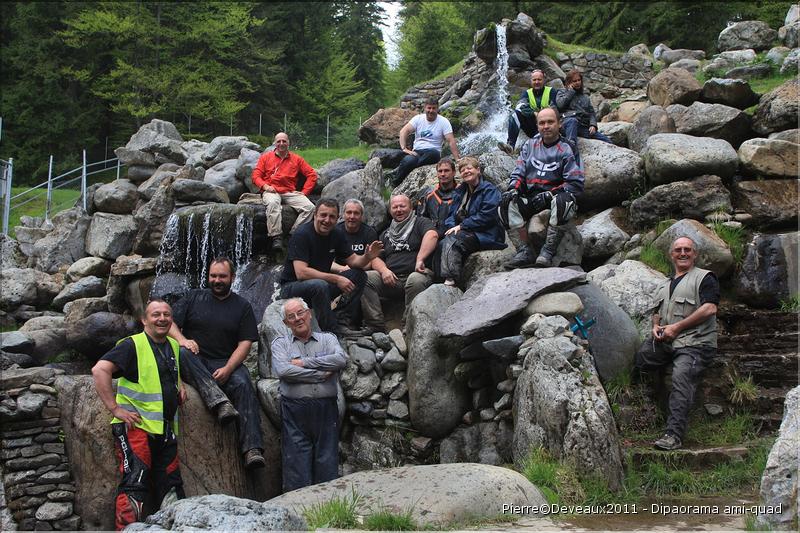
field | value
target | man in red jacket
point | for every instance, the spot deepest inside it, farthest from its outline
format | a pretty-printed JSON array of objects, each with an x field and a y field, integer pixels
[{"x": 276, "y": 176}]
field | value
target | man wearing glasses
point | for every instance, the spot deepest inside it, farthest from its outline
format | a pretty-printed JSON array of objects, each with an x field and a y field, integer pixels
[{"x": 307, "y": 364}]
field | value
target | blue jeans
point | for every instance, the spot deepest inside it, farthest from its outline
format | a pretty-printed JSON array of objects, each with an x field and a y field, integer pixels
[
  {"x": 410, "y": 162},
  {"x": 309, "y": 441},
  {"x": 573, "y": 129}
]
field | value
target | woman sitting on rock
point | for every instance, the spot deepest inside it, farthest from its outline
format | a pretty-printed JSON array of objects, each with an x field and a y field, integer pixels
[{"x": 473, "y": 224}]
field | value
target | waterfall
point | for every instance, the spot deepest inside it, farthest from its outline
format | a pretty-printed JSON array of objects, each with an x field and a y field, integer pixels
[{"x": 495, "y": 108}]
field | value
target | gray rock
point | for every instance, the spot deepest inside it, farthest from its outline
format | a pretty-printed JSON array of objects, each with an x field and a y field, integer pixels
[
  {"x": 753, "y": 34},
  {"x": 366, "y": 185},
  {"x": 399, "y": 341},
  {"x": 29, "y": 405},
  {"x": 14, "y": 379},
  {"x": 188, "y": 191},
  {"x": 778, "y": 109},
  {"x": 565, "y": 304},
  {"x": 748, "y": 72},
  {"x": 382, "y": 127},
  {"x": 673, "y": 86},
  {"x": 482, "y": 490},
  {"x": 730, "y": 92},
  {"x": 714, "y": 254},
  {"x": 787, "y": 135},
  {"x": 118, "y": 197},
  {"x": 559, "y": 404},
  {"x": 54, "y": 511},
  {"x": 779, "y": 481},
  {"x": 653, "y": 119},
  {"x": 695, "y": 198},
  {"x": 393, "y": 361},
  {"x": 714, "y": 120},
  {"x": 418, "y": 179},
  {"x": 777, "y": 54},
  {"x": 545, "y": 326},
  {"x": 98, "y": 333},
  {"x": 670, "y": 57},
  {"x": 151, "y": 219},
  {"x": 223, "y": 174},
  {"x": 768, "y": 274},
  {"x": 16, "y": 342},
  {"x": 436, "y": 400},
  {"x": 390, "y": 157},
  {"x": 769, "y": 158},
  {"x": 728, "y": 59},
  {"x": 247, "y": 161},
  {"x": 614, "y": 338},
  {"x": 370, "y": 450},
  {"x": 64, "y": 245},
  {"x": 791, "y": 63},
  {"x": 382, "y": 340},
  {"x": 270, "y": 398},
  {"x": 500, "y": 296},
  {"x": 110, "y": 236},
  {"x": 165, "y": 173},
  {"x": 11, "y": 255},
  {"x": 335, "y": 169},
  {"x": 88, "y": 266},
  {"x": 158, "y": 137},
  {"x": 770, "y": 203},
  {"x": 88, "y": 287},
  {"x": 363, "y": 386},
  {"x": 397, "y": 409},
  {"x": 481, "y": 264},
  {"x": 225, "y": 148},
  {"x": 792, "y": 15},
  {"x": 134, "y": 157},
  {"x": 391, "y": 381},
  {"x": 497, "y": 166},
  {"x": 671, "y": 157},
  {"x": 640, "y": 50},
  {"x": 611, "y": 172},
  {"x": 363, "y": 358},
  {"x": 483, "y": 443},
  {"x": 601, "y": 234},
  {"x": 139, "y": 174},
  {"x": 618, "y": 131},
  {"x": 504, "y": 348}
]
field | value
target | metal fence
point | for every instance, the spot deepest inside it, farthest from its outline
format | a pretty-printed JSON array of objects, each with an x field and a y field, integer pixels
[{"x": 77, "y": 178}]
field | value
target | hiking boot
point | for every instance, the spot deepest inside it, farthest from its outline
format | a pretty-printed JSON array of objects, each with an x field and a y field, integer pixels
[
  {"x": 344, "y": 330},
  {"x": 668, "y": 442},
  {"x": 254, "y": 459},
  {"x": 523, "y": 258},
  {"x": 226, "y": 413},
  {"x": 548, "y": 251},
  {"x": 507, "y": 148},
  {"x": 277, "y": 244}
]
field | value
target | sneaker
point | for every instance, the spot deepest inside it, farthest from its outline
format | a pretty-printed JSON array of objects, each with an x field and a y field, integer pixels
[
  {"x": 226, "y": 413},
  {"x": 668, "y": 442},
  {"x": 507, "y": 148},
  {"x": 254, "y": 459}
]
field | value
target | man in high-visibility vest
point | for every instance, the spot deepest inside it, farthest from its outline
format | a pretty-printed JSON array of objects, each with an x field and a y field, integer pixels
[
  {"x": 530, "y": 103},
  {"x": 145, "y": 410}
]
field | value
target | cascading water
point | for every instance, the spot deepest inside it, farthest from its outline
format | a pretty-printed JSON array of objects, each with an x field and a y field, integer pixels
[{"x": 496, "y": 108}]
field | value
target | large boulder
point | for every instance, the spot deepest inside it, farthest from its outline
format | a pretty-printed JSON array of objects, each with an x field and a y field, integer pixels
[
  {"x": 390, "y": 157},
  {"x": 792, "y": 135},
  {"x": 673, "y": 86},
  {"x": 779, "y": 482},
  {"x": 651, "y": 120},
  {"x": 778, "y": 109},
  {"x": 713, "y": 253},
  {"x": 688, "y": 64},
  {"x": 365, "y": 184},
  {"x": 437, "y": 400},
  {"x": 151, "y": 219},
  {"x": 418, "y": 179},
  {"x": 247, "y": 161},
  {"x": 497, "y": 166},
  {"x": 26, "y": 286},
  {"x": 423, "y": 490},
  {"x": 488, "y": 443},
  {"x": 88, "y": 266},
  {"x": 627, "y": 111},
  {"x": 673, "y": 56},
  {"x": 769, "y": 272},
  {"x": 48, "y": 335},
  {"x": 337, "y": 168},
  {"x": 753, "y": 34},
  {"x": 769, "y": 158},
  {"x": 65, "y": 244},
  {"x": 749, "y": 72},
  {"x": 727, "y": 91},
  {"x": 223, "y": 174},
  {"x": 110, "y": 235},
  {"x": 713, "y": 120},
  {"x": 523, "y": 31},
  {"x": 383, "y": 128},
  {"x": 771, "y": 203},
  {"x": 481, "y": 264},
  {"x": 602, "y": 235},
  {"x": 87, "y": 287},
  {"x": 674, "y": 156},
  {"x": 499, "y": 296},
  {"x": 158, "y": 137},
  {"x": 611, "y": 173},
  {"x": 97, "y": 333},
  {"x": 165, "y": 173},
  {"x": 189, "y": 191},
  {"x": 560, "y": 405},
  {"x": 210, "y": 458},
  {"x": 118, "y": 197},
  {"x": 694, "y": 198},
  {"x": 613, "y": 339},
  {"x": 791, "y": 63},
  {"x": 618, "y": 131},
  {"x": 11, "y": 255},
  {"x": 225, "y": 148}
]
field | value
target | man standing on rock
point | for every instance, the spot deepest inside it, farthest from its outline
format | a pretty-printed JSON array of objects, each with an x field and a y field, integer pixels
[
  {"x": 546, "y": 177},
  {"x": 217, "y": 327},
  {"x": 684, "y": 335},
  {"x": 276, "y": 175},
  {"x": 145, "y": 410},
  {"x": 430, "y": 129},
  {"x": 524, "y": 116},
  {"x": 307, "y": 364}
]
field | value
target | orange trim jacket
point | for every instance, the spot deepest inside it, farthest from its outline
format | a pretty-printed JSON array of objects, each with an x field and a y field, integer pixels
[{"x": 281, "y": 174}]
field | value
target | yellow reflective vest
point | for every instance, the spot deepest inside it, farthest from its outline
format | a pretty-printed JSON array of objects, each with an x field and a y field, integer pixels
[{"x": 545, "y": 99}]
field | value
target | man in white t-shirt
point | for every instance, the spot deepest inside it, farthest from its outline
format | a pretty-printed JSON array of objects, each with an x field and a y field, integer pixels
[{"x": 430, "y": 129}]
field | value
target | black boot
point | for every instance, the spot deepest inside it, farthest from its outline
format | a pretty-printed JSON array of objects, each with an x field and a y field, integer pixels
[
  {"x": 548, "y": 251},
  {"x": 277, "y": 243},
  {"x": 523, "y": 258}
]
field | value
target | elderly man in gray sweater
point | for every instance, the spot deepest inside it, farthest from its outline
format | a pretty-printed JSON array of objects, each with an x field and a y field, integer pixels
[{"x": 308, "y": 364}]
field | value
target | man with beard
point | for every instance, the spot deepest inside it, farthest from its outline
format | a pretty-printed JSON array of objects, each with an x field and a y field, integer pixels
[
  {"x": 579, "y": 119},
  {"x": 524, "y": 116},
  {"x": 218, "y": 327}
]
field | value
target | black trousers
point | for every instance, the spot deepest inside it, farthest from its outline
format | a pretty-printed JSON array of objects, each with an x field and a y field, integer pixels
[
  {"x": 318, "y": 294},
  {"x": 309, "y": 441},
  {"x": 454, "y": 251}
]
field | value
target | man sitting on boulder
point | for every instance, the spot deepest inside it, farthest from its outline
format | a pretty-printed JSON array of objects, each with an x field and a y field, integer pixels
[
  {"x": 546, "y": 177},
  {"x": 524, "y": 116},
  {"x": 430, "y": 129},
  {"x": 577, "y": 111},
  {"x": 276, "y": 175},
  {"x": 407, "y": 244},
  {"x": 684, "y": 335},
  {"x": 358, "y": 233},
  {"x": 434, "y": 203}
]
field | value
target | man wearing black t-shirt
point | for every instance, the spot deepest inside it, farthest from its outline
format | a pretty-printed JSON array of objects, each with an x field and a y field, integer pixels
[
  {"x": 358, "y": 234},
  {"x": 307, "y": 271},
  {"x": 684, "y": 335},
  {"x": 400, "y": 269},
  {"x": 218, "y": 327}
]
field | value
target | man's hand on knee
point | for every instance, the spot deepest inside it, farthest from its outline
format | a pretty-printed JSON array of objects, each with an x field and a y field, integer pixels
[
  {"x": 221, "y": 375},
  {"x": 345, "y": 285}
]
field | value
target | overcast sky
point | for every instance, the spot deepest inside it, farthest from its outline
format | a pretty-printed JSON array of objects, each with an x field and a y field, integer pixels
[{"x": 390, "y": 32}]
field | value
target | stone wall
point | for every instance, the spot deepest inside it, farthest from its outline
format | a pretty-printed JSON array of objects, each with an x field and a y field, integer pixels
[{"x": 39, "y": 487}]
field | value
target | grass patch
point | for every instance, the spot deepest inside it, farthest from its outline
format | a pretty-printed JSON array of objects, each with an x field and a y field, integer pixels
[
  {"x": 743, "y": 391},
  {"x": 765, "y": 85},
  {"x": 67, "y": 356},
  {"x": 734, "y": 237},
  {"x": 555, "y": 46},
  {"x": 449, "y": 71},
  {"x": 655, "y": 259},
  {"x": 316, "y": 157},
  {"x": 620, "y": 386},
  {"x": 35, "y": 203},
  {"x": 336, "y": 513},
  {"x": 385, "y": 520},
  {"x": 727, "y": 430},
  {"x": 790, "y": 304}
]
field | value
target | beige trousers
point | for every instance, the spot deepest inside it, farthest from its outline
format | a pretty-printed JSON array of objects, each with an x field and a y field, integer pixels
[{"x": 296, "y": 200}]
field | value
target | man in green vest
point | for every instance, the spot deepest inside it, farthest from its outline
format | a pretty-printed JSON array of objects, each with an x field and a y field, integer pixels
[
  {"x": 145, "y": 410},
  {"x": 684, "y": 335},
  {"x": 524, "y": 116}
]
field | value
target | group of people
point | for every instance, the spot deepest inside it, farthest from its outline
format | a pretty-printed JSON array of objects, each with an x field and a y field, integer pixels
[{"x": 340, "y": 269}]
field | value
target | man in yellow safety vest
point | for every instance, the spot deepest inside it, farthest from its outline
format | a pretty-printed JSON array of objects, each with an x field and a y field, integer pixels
[{"x": 524, "y": 115}]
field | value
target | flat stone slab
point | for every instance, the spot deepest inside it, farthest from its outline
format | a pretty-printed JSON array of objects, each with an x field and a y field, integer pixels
[
  {"x": 692, "y": 458},
  {"x": 498, "y": 296},
  {"x": 436, "y": 494}
]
